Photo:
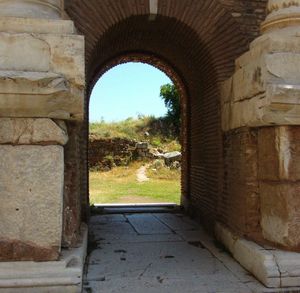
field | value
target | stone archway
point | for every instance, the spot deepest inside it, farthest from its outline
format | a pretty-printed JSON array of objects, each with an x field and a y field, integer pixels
[
  {"x": 170, "y": 34},
  {"x": 242, "y": 113}
]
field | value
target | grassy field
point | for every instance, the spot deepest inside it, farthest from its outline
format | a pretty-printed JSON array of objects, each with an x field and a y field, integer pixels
[
  {"x": 158, "y": 132},
  {"x": 120, "y": 185}
]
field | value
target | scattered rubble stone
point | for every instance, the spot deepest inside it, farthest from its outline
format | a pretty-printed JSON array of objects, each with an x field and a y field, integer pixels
[
  {"x": 172, "y": 157},
  {"x": 105, "y": 153}
]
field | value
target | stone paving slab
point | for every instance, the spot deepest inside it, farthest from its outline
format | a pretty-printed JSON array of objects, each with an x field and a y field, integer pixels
[
  {"x": 147, "y": 224},
  {"x": 116, "y": 227},
  {"x": 157, "y": 285},
  {"x": 148, "y": 253},
  {"x": 151, "y": 260},
  {"x": 106, "y": 237},
  {"x": 96, "y": 220},
  {"x": 175, "y": 222},
  {"x": 191, "y": 236},
  {"x": 135, "y": 209}
]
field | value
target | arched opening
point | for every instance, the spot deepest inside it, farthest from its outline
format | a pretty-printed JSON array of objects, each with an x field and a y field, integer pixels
[
  {"x": 231, "y": 169},
  {"x": 200, "y": 42},
  {"x": 137, "y": 38},
  {"x": 114, "y": 148}
]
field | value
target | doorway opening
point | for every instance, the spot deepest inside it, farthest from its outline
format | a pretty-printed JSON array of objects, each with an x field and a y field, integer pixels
[{"x": 135, "y": 137}]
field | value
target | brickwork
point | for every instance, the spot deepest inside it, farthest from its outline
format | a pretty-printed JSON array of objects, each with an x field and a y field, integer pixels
[
  {"x": 261, "y": 183},
  {"x": 239, "y": 206},
  {"x": 72, "y": 195},
  {"x": 199, "y": 40}
]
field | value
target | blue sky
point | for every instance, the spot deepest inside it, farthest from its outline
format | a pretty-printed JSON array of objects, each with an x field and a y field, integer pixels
[{"x": 128, "y": 90}]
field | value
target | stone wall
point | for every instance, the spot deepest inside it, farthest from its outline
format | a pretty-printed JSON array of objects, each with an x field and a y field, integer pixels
[
  {"x": 260, "y": 118},
  {"x": 117, "y": 148},
  {"x": 261, "y": 180},
  {"x": 42, "y": 80},
  {"x": 239, "y": 206},
  {"x": 106, "y": 152},
  {"x": 31, "y": 184},
  {"x": 279, "y": 180}
]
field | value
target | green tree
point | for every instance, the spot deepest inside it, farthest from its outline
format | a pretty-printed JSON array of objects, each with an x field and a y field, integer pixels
[{"x": 171, "y": 98}]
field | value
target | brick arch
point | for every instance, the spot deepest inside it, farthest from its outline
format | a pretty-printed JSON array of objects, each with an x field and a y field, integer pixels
[
  {"x": 93, "y": 17},
  {"x": 174, "y": 49},
  {"x": 200, "y": 40},
  {"x": 138, "y": 57}
]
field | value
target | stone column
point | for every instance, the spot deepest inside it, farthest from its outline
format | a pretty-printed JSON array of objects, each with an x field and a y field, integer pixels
[
  {"x": 46, "y": 9},
  {"x": 282, "y": 13},
  {"x": 263, "y": 93},
  {"x": 42, "y": 87},
  {"x": 261, "y": 124}
]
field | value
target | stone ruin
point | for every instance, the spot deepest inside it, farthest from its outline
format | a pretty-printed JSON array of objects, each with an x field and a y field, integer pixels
[
  {"x": 105, "y": 153},
  {"x": 236, "y": 65}
]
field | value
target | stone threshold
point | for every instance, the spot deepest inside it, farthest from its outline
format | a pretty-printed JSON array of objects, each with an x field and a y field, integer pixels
[
  {"x": 64, "y": 275},
  {"x": 135, "y": 208},
  {"x": 273, "y": 267}
]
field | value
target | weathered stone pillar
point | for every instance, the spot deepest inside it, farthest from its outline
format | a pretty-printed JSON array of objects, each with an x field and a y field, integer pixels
[
  {"x": 42, "y": 86},
  {"x": 31, "y": 184},
  {"x": 282, "y": 14},
  {"x": 47, "y": 9},
  {"x": 261, "y": 101}
]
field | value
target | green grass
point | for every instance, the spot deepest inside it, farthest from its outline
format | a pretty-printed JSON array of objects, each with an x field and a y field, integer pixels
[
  {"x": 128, "y": 128},
  {"x": 164, "y": 174},
  {"x": 120, "y": 186}
]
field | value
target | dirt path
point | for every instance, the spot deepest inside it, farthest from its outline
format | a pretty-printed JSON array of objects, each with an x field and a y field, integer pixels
[{"x": 141, "y": 175}]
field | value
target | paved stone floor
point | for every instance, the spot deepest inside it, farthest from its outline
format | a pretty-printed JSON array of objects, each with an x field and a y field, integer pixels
[{"x": 159, "y": 252}]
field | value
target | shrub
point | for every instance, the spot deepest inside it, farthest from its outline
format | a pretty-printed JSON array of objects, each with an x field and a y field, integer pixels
[{"x": 108, "y": 161}]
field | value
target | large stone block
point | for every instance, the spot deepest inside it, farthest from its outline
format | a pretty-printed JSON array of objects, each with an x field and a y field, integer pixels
[
  {"x": 35, "y": 94},
  {"x": 31, "y": 131},
  {"x": 57, "y": 53},
  {"x": 61, "y": 276},
  {"x": 24, "y": 53},
  {"x": 260, "y": 262},
  {"x": 42, "y": 75},
  {"x": 31, "y": 194},
  {"x": 279, "y": 153},
  {"x": 263, "y": 91},
  {"x": 273, "y": 267},
  {"x": 280, "y": 219},
  {"x": 32, "y": 25}
]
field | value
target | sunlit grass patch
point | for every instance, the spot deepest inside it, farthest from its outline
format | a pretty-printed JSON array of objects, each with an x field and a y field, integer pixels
[{"x": 120, "y": 186}]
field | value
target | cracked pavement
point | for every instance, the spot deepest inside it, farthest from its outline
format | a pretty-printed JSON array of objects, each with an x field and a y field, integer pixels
[{"x": 159, "y": 252}]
